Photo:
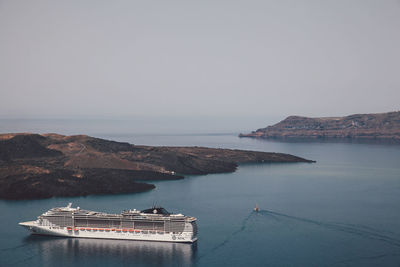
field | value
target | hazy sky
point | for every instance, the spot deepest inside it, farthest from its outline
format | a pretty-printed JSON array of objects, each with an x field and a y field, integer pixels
[{"x": 198, "y": 58}]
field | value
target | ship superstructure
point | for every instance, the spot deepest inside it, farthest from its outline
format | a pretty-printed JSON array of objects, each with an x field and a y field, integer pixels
[{"x": 154, "y": 224}]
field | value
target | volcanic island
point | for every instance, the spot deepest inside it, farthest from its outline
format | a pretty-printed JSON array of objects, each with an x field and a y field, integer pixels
[
  {"x": 34, "y": 166},
  {"x": 375, "y": 127}
]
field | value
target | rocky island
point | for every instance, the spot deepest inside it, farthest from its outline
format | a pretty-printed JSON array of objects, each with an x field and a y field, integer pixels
[
  {"x": 42, "y": 166},
  {"x": 381, "y": 127}
]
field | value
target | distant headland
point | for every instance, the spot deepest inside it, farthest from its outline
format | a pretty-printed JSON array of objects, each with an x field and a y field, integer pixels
[
  {"x": 36, "y": 166},
  {"x": 383, "y": 127}
]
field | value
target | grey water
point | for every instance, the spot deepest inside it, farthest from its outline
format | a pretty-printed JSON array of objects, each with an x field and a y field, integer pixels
[{"x": 343, "y": 210}]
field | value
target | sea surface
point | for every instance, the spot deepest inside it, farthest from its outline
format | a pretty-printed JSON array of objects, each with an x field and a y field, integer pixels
[{"x": 343, "y": 210}]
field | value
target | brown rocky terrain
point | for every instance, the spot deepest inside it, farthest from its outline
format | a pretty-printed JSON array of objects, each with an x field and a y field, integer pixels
[
  {"x": 42, "y": 166},
  {"x": 368, "y": 127}
]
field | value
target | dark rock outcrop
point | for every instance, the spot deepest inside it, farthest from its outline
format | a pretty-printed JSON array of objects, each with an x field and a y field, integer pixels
[
  {"x": 42, "y": 166},
  {"x": 61, "y": 182},
  {"x": 383, "y": 127},
  {"x": 25, "y": 146}
]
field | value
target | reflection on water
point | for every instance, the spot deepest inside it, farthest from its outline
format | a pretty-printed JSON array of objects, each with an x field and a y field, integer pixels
[{"x": 54, "y": 249}]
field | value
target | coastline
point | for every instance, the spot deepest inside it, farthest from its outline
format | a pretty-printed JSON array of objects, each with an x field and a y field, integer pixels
[{"x": 34, "y": 166}]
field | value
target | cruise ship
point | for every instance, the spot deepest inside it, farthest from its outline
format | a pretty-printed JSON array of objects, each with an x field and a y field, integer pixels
[{"x": 154, "y": 224}]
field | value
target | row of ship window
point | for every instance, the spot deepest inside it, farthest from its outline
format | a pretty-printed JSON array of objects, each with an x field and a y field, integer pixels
[{"x": 117, "y": 230}]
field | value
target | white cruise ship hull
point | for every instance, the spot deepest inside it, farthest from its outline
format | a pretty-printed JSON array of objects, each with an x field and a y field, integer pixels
[{"x": 106, "y": 233}]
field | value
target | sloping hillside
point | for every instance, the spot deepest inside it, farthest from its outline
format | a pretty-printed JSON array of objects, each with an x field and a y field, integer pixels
[
  {"x": 39, "y": 166},
  {"x": 380, "y": 127}
]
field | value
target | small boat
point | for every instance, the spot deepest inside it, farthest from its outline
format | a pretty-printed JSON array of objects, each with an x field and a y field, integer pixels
[{"x": 256, "y": 209}]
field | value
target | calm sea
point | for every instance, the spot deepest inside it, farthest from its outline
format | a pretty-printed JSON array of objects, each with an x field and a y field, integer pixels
[{"x": 343, "y": 210}]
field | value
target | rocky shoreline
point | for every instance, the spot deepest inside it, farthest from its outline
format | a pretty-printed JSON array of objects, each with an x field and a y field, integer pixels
[
  {"x": 34, "y": 166},
  {"x": 381, "y": 127}
]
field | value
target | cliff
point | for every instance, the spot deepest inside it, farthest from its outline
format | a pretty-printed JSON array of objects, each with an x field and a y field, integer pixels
[
  {"x": 42, "y": 166},
  {"x": 368, "y": 127}
]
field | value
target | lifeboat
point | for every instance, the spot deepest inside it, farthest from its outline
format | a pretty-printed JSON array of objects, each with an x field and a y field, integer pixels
[
  {"x": 76, "y": 229},
  {"x": 137, "y": 231},
  {"x": 118, "y": 230},
  {"x": 88, "y": 229},
  {"x": 107, "y": 230},
  {"x": 113, "y": 229},
  {"x": 69, "y": 228},
  {"x": 131, "y": 230},
  {"x": 82, "y": 229}
]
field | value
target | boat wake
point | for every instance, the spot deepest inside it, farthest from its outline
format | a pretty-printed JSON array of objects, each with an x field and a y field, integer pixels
[
  {"x": 354, "y": 229},
  {"x": 232, "y": 235},
  {"x": 229, "y": 238}
]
